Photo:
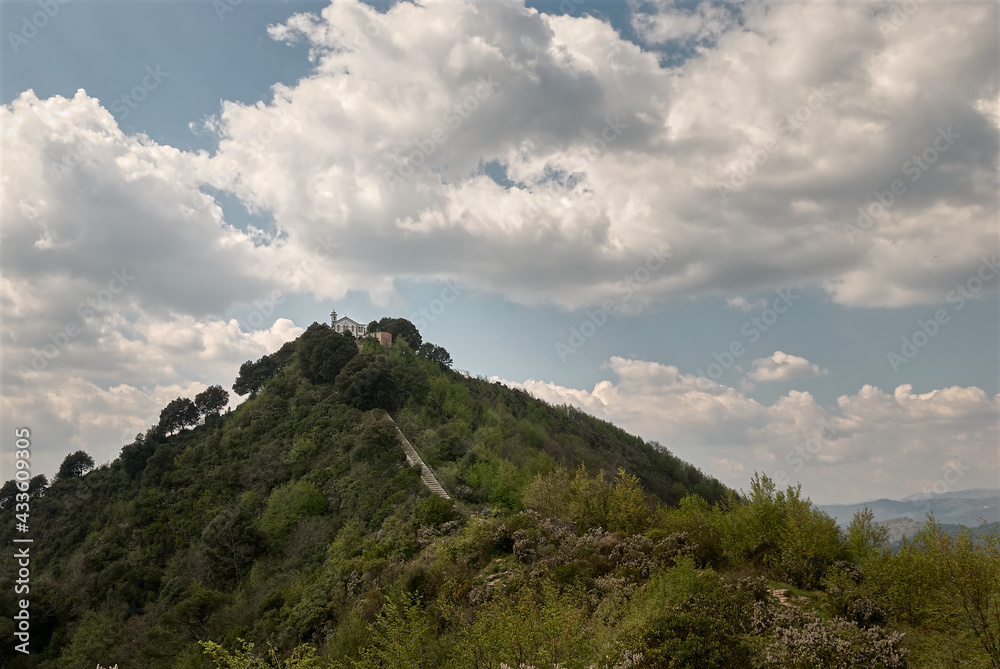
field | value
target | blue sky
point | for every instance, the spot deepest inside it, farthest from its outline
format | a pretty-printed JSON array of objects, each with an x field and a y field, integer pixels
[{"x": 523, "y": 288}]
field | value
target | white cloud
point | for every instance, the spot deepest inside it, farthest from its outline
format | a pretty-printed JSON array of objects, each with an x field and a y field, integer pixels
[
  {"x": 584, "y": 208},
  {"x": 784, "y": 367},
  {"x": 893, "y": 443},
  {"x": 745, "y": 305},
  {"x": 668, "y": 23}
]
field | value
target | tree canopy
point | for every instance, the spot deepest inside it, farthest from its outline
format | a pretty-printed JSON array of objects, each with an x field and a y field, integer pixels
[
  {"x": 366, "y": 382},
  {"x": 400, "y": 327},
  {"x": 212, "y": 400},
  {"x": 435, "y": 353},
  {"x": 177, "y": 415},
  {"x": 253, "y": 375},
  {"x": 75, "y": 465},
  {"x": 323, "y": 352}
]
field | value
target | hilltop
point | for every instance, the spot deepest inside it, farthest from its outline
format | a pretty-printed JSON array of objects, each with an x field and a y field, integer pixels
[{"x": 298, "y": 530}]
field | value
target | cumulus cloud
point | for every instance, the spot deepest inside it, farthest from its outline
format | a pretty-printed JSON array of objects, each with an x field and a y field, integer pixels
[
  {"x": 747, "y": 161},
  {"x": 784, "y": 367},
  {"x": 662, "y": 21},
  {"x": 117, "y": 268},
  {"x": 896, "y": 443}
]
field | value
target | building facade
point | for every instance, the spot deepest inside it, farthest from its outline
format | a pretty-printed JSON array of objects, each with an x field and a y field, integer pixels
[
  {"x": 345, "y": 324},
  {"x": 383, "y": 338}
]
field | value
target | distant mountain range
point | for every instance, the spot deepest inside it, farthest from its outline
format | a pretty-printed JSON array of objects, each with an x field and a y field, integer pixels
[{"x": 906, "y": 516}]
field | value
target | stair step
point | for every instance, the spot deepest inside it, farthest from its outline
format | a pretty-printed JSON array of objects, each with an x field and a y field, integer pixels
[{"x": 413, "y": 458}]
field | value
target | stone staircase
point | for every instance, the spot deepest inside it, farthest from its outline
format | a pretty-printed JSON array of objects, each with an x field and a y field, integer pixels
[{"x": 412, "y": 457}]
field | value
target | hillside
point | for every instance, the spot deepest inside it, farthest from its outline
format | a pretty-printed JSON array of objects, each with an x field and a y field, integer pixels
[
  {"x": 292, "y": 532},
  {"x": 268, "y": 487}
]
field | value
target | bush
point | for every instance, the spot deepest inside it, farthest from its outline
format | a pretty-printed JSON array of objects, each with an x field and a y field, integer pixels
[
  {"x": 680, "y": 639},
  {"x": 434, "y": 510},
  {"x": 245, "y": 656},
  {"x": 833, "y": 644},
  {"x": 852, "y": 598},
  {"x": 288, "y": 504}
]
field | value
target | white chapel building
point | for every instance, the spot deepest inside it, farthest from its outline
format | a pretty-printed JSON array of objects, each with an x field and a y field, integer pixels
[{"x": 345, "y": 324}]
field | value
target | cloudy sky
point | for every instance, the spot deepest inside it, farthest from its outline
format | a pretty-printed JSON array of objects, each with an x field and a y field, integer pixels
[{"x": 763, "y": 234}]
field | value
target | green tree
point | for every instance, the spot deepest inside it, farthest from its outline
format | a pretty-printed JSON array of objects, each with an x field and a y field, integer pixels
[
  {"x": 212, "y": 400},
  {"x": 178, "y": 414},
  {"x": 402, "y": 328},
  {"x": 627, "y": 510},
  {"x": 232, "y": 541},
  {"x": 399, "y": 638},
  {"x": 93, "y": 641},
  {"x": 8, "y": 494},
  {"x": 529, "y": 627},
  {"x": 367, "y": 382},
  {"x": 37, "y": 486},
  {"x": 810, "y": 542},
  {"x": 698, "y": 522},
  {"x": 253, "y": 375},
  {"x": 751, "y": 530},
  {"x": 588, "y": 499},
  {"x": 972, "y": 580},
  {"x": 36, "y": 489},
  {"x": 548, "y": 494},
  {"x": 911, "y": 581},
  {"x": 435, "y": 353},
  {"x": 188, "y": 621},
  {"x": 75, "y": 465},
  {"x": 134, "y": 456},
  {"x": 324, "y": 352},
  {"x": 682, "y": 639},
  {"x": 866, "y": 539}
]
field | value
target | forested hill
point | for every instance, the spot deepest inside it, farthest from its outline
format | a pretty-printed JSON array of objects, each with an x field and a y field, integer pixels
[{"x": 293, "y": 518}]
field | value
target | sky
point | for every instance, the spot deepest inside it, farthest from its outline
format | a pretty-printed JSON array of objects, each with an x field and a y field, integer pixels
[{"x": 761, "y": 234}]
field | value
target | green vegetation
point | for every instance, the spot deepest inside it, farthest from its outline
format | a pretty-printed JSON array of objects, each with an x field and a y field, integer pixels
[{"x": 290, "y": 533}]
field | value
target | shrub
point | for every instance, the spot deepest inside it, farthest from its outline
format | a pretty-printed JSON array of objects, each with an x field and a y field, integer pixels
[
  {"x": 434, "y": 510},
  {"x": 833, "y": 644},
  {"x": 536, "y": 628},
  {"x": 681, "y": 639},
  {"x": 245, "y": 656},
  {"x": 851, "y": 597},
  {"x": 548, "y": 494},
  {"x": 288, "y": 504}
]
